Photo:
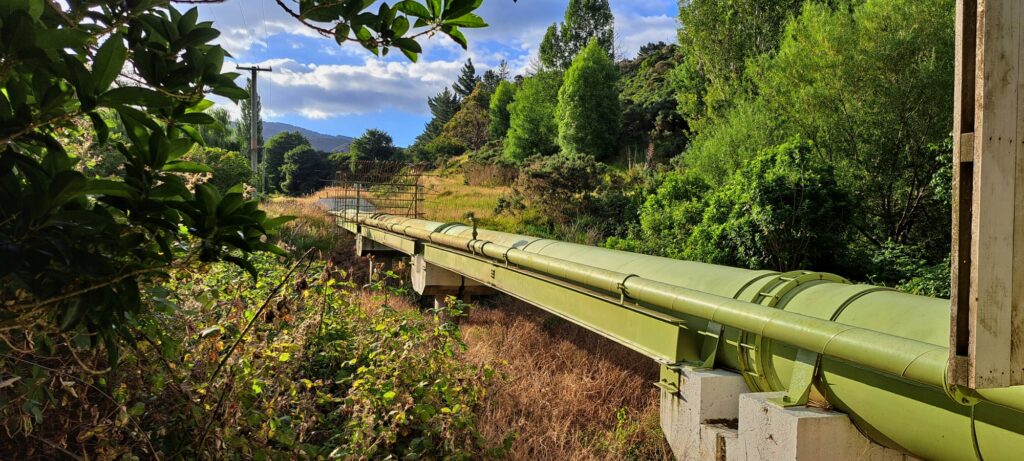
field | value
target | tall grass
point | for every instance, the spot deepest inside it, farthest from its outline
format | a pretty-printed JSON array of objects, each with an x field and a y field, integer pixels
[{"x": 569, "y": 394}]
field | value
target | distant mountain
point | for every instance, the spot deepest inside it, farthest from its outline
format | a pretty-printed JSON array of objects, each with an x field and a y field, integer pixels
[{"x": 320, "y": 141}]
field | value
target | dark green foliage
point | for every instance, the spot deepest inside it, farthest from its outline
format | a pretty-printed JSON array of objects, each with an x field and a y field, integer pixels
[
  {"x": 273, "y": 159},
  {"x": 651, "y": 124},
  {"x": 442, "y": 148},
  {"x": 551, "y": 52},
  {"x": 443, "y": 107},
  {"x": 244, "y": 130},
  {"x": 78, "y": 251},
  {"x": 490, "y": 80},
  {"x": 588, "y": 105},
  {"x": 585, "y": 20},
  {"x": 373, "y": 145},
  {"x": 467, "y": 80},
  {"x": 469, "y": 127},
  {"x": 229, "y": 168},
  {"x": 382, "y": 27},
  {"x": 532, "y": 127},
  {"x": 573, "y": 198},
  {"x": 780, "y": 211},
  {"x": 498, "y": 106},
  {"x": 306, "y": 170}
]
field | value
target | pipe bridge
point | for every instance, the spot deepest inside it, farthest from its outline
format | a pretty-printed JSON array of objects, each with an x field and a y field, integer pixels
[{"x": 755, "y": 364}]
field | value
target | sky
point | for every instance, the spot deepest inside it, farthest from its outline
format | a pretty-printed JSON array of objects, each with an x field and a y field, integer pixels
[{"x": 319, "y": 85}]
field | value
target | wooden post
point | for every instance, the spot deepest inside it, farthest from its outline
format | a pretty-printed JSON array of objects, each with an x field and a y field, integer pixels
[{"x": 987, "y": 305}]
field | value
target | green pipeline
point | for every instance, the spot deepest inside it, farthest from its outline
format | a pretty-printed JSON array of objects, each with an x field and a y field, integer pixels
[{"x": 883, "y": 353}]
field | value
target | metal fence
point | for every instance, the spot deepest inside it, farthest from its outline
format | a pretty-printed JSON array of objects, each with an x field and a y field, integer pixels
[{"x": 378, "y": 187}]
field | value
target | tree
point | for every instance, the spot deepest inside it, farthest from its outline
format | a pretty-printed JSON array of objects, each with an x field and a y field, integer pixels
[
  {"x": 305, "y": 171},
  {"x": 221, "y": 133},
  {"x": 651, "y": 123},
  {"x": 869, "y": 87},
  {"x": 503, "y": 71},
  {"x": 498, "y": 106},
  {"x": 551, "y": 53},
  {"x": 718, "y": 38},
  {"x": 532, "y": 128},
  {"x": 585, "y": 20},
  {"x": 273, "y": 159},
  {"x": 470, "y": 124},
  {"x": 490, "y": 81},
  {"x": 79, "y": 251},
  {"x": 467, "y": 80},
  {"x": 373, "y": 145},
  {"x": 588, "y": 105},
  {"x": 443, "y": 107},
  {"x": 379, "y": 28},
  {"x": 229, "y": 168},
  {"x": 244, "y": 131}
]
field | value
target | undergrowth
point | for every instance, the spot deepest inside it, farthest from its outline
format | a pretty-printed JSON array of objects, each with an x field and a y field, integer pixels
[{"x": 294, "y": 366}]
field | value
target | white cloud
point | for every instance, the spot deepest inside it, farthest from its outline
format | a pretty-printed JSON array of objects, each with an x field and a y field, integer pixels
[
  {"x": 321, "y": 91},
  {"x": 633, "y": 31}
]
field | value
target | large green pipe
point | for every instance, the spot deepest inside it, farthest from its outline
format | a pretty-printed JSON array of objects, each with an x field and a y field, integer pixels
[{"x": 884, "y": 352}]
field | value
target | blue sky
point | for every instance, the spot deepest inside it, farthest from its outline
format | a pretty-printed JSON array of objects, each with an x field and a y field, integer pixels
[{"x": 319, "y": 85}]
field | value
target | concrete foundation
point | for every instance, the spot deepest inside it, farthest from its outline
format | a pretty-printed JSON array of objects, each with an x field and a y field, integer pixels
[
  {"x": 714, "y": 418},
  {"x": 431, "y": 280}
]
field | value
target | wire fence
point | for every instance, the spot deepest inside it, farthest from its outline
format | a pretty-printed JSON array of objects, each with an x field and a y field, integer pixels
[{"x": 410, "y": 190}]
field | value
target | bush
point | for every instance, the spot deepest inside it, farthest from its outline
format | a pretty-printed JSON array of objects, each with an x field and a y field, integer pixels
[
  {"x": 783, "y": 210},
  {"x": 532, "y": 127},
  {"x": 229, "y": 168}
]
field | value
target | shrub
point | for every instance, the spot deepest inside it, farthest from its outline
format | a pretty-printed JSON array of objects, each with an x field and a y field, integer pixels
[
  {"x": 780, "y": 211},
  {"x": 229, "y": 168}
]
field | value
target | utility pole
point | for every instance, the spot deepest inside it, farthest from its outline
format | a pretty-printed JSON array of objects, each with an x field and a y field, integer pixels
[{"x": 254, "y": 148}]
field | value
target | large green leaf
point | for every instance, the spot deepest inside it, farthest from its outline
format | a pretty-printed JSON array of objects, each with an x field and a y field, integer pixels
[{"x": 108, "y": 63}]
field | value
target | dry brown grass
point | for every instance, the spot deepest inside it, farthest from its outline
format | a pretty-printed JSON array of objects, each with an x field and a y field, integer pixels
[{"x": 569, "y": 394}]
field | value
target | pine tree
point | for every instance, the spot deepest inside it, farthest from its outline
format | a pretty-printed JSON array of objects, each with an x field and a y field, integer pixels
[
  {"x": 503, "y": 71},
  {"x": 443, "y": 107},
  {"x": 588, "y": 105},
  {"x": 244, "y": 131},
  {"x": 467, "y": 80},
  {"x": 490, "y": 82}
]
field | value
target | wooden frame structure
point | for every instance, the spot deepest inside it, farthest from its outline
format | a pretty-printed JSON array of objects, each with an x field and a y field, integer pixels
[{"x": 987, "y": 315}]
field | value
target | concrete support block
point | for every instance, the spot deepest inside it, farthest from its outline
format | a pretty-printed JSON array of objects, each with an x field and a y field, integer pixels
[
  {"x": 768, "y": 432},
  {"x": 367, "y": 247},
  {"x": 431, "y": 280},
  {"x": 700, "y": 420}
]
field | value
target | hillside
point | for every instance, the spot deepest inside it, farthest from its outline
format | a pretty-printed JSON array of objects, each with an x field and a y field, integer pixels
[{"x": 320, "y": 141}]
